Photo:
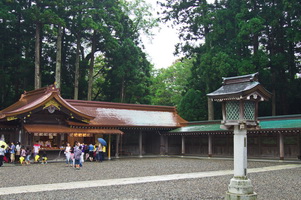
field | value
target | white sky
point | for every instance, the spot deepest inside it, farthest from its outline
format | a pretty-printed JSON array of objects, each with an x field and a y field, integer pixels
[{"x": 162, "y": 47}]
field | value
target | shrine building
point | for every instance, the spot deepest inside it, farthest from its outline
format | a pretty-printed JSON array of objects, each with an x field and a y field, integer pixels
[
  {"x": 138, "y": 130},
  {"x": 129, "y": 129}
]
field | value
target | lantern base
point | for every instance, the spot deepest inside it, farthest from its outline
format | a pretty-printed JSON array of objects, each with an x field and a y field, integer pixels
[{"x": 240, "y": 188}]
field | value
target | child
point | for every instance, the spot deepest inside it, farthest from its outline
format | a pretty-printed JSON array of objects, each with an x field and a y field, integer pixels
[
  {"x": 28, "y": 154},
  {"x": 37, "y": 158},
  {"x": 22, "y": 155},
  {"x": 44, "y": 158},
  {"x": 21, "y": 159}
]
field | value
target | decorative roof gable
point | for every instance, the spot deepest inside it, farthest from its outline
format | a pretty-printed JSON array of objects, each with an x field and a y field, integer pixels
[
  {"x": 240, "y": 87},
  {"x": 44, "y": 98}
]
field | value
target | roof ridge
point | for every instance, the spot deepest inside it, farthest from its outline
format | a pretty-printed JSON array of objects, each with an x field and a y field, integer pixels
[
  {"x": 118, "y": 105},
  {"x": 49, "y": 88},
  {"x": 240, "y": 79}
]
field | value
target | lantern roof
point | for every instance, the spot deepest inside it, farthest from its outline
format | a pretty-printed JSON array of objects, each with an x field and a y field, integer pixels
[{"x": 240, "y": 87}]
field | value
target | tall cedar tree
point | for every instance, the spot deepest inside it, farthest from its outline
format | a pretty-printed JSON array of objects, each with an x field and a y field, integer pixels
[{"x": 238, "y": 37}]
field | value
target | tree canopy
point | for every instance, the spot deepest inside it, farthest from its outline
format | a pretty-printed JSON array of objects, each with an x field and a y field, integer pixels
[
  {"x": 93, "y": 50},
  {"x": 234, "y": 37},
  {"x": 43, "y": 42}
]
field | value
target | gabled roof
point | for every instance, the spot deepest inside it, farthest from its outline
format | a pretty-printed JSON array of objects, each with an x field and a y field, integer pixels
[
  {"x": 240, "y": 87},
  {"x": 94, "y": 113},
  {"x": 40, "y": 98},
  {"x": 125, "y": 115}
]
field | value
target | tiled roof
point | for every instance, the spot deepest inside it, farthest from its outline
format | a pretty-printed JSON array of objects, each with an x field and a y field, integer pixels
[
  {"x": 239, "y": 87},
  {"x": 100, "y": 114},
  {"x": 120, "y": 114}
]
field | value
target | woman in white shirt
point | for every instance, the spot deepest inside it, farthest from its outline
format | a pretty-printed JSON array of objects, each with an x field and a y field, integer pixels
[
  {"x": 18, "y": 151},
  {"x": 2, "y": 152},
  {"x": 68, "y": 155}
]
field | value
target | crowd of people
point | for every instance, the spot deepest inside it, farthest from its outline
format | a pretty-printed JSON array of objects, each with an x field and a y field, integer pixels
[
  {"x": 75, "y": 156},
  {"x": 16, "y": 153}
]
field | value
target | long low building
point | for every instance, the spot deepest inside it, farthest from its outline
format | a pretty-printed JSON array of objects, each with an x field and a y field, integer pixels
[
  {"x": 278, "y": 136},
  {"x": 133, "y": 129},
  {"x": 130, "y": 129}
]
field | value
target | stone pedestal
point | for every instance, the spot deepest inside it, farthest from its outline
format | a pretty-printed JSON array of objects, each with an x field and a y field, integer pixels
[{"x": 240, "y": 188}]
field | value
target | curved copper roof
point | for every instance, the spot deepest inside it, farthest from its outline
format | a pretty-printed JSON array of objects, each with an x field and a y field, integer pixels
[
  {"x": 96, "y": 113},
  {"x": 123, "y": 115},
  {"x": 38, "y": 98}
]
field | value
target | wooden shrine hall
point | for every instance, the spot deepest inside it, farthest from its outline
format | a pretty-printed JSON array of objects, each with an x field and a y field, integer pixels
[{"x": 43, "y": 115}]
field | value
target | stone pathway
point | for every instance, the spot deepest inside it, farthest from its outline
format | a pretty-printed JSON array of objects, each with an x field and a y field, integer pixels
[{"x": 133, "y": 180}]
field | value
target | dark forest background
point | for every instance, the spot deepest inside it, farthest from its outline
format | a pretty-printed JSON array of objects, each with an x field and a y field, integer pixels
[{"x": 92, "y": 50}]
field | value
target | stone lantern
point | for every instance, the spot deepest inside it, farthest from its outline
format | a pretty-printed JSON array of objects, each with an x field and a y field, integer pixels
[{"x": 239, "y": 97}]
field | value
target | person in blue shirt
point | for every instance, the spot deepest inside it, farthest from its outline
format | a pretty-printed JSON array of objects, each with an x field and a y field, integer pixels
[{"x": 12, "y": 149}]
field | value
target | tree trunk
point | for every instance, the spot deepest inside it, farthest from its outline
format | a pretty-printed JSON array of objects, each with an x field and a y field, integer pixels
[
  {"x": 256, "y": 35},
  {"x": 90, "y": 76},
  {"x": 37, "y": 82},
  {"x": 58, "y": 58},
  {"x": 210, "y": 109},
  {"x": 76, "y": 75},
  {"x": 122, "y": 90}
]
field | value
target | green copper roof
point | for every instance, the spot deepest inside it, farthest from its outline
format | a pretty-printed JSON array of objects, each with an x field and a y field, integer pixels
[
  {"x": 277, "y": 124},
  {"x": 271, "y": 124}
]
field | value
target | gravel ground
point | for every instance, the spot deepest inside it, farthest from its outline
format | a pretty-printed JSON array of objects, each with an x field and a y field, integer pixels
[{"x": 274, "y": 185}]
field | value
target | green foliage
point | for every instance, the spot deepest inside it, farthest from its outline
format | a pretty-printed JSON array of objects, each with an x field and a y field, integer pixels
[
  {"x": 168, "y": 85},
  {"x": 120, "y": 70},
  {"x": 192, "y": 106},
  {"x": 241, "y": 37}
]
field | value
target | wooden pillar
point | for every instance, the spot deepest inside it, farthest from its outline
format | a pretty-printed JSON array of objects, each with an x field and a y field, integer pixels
[
  {"x": 140, "y": 143},
  {"x": 299, "y": 147},
  {"x": 117, "y": 146},
  {"x": 58, "y": 140},
  {"x": 259, "y": 145},
  {"x": 209, "y": 145},
  {"x": 166, "y": 145},
  {"x": 281, "y": 146},
  {"x": 19, "y": 138},
  {"x": 162, "y": 145},
  {"x": 183, "y": 145},
  {"x": 109, "y": 148},
  {"x": 121, "y": 143}
]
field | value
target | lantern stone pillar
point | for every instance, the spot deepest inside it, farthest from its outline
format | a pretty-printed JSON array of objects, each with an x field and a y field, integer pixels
[
  {"x": 240, "y": 152},
  {"x": 239, "y": 97},
  {"x": 240, "y": 186}
]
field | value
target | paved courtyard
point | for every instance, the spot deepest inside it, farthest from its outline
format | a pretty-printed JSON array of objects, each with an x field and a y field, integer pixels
[{"x": 147, "y": 178}]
